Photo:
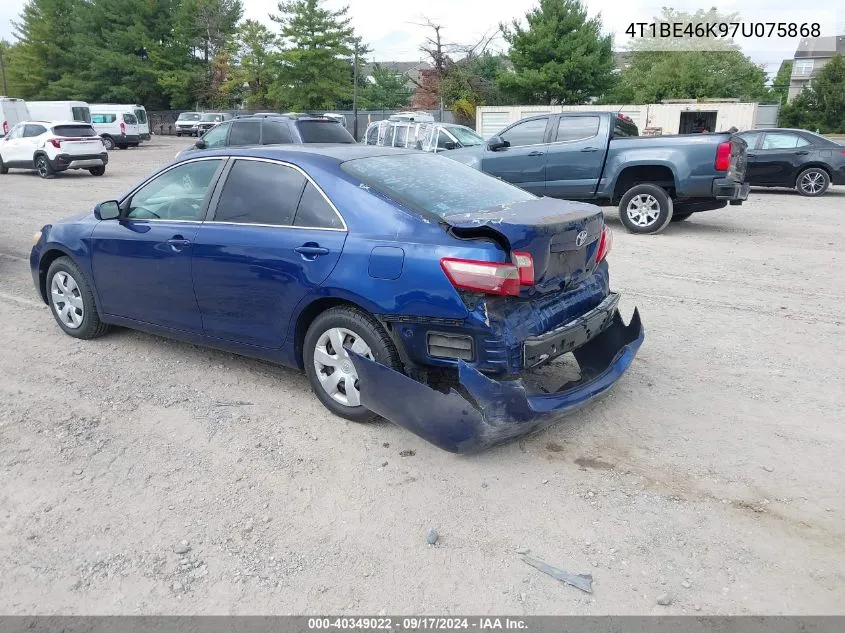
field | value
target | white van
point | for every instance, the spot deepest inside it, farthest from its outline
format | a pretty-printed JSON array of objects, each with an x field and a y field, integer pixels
[
  {"x": 59, "y": 111},
  {"x": 116, "y": 125},
  {"x": 12, "y": 112},
  {"x": 138, "y": 110}
]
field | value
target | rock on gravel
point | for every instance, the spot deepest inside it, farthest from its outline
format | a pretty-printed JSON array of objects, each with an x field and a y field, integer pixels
[
  {"x": 432, "y": 536},
  {"x": 664, "y": 599},
  {"x": 183, "y": 547}
]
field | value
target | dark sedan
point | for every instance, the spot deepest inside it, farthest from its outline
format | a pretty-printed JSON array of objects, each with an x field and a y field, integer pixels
[{"x": 793, "y": 158}]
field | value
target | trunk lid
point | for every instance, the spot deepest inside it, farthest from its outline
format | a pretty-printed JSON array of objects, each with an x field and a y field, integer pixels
[
  {"x": 81, "y": 146},
  {"x": 561, "y": 236}
]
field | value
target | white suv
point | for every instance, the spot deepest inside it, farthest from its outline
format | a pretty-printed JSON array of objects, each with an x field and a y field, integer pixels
[{"x": 52, "y": 147}]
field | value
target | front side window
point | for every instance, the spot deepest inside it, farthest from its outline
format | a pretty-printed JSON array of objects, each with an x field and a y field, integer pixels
[
  {"x": 444, "y": 142},
  {"x": 245, "y": 133},
  {"x": 81, "y": 114},
  {"x": 130, "y": 119},
  {"x": 177, "y": 194},
  {"x": 314, "y": 211},
  {"x": 258, "y": 192},
  {"x": 575, "y": 128},
  {"x": 17, "y": 132},
  {"x": 431, "y": 183},
  {"x": 216, "y": 136},
  {"x": 527, "y": 133},
  {"x": 782, "y": 140}
]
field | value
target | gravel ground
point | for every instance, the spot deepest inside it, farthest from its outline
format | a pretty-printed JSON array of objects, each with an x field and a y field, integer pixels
[{"x": 141, "y": 475}]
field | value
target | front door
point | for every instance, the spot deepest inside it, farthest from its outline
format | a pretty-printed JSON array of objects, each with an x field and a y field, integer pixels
[
  {"x": 523, "y": 162},
  {"x": 779, "y": 158},
  {"x": 142, "y": 262},
  {"x": 14, "y": 147},
  {"x": 273, "y": 238},
  {"x": 575, "y": 157}
]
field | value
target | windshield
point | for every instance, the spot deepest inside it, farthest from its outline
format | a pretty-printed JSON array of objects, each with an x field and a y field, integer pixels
[
  {"x": 142, "y": 116},
  {"x": 323, "y": 132},
  {"x": 189, "y": 116},
  {"x": 465, "y": 136},
  {"x": 211, "y": 117},
  {"x": 433, "y": 184}
]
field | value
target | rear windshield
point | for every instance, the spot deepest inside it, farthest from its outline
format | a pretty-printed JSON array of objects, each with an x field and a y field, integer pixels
[
  {"x": 81, "y": 114},
  {"x": 130, "y": 119},
  {"x": 142, "y": 116},
  {"x": 433, "y": 184},
  {"x": 623, "y": 127},
  {"x": 74, "y": 130},
  {"x": 323, "y": 132},
  {"x": 189, "y": 116}
]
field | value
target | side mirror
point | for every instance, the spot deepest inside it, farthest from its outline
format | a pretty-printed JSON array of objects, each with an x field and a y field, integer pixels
[
  {"x": 200, "y": 144},
  {"x": 107, "y": 210},
  {"x": 496, "y": 143},
  {"x": 450, "y": 145}
]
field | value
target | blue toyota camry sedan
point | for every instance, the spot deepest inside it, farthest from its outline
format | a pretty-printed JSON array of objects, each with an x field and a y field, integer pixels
[{"x": 404, "y": 284}]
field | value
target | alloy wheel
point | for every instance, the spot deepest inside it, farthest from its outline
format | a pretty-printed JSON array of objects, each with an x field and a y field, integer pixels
[
  {"x": 812, "y": 182},
  {"x": 41, "y": 167},
  {"x": 643, "y": 209},
  {"x": 67, "y": 299},
  {"x": 334, "y": 368}
]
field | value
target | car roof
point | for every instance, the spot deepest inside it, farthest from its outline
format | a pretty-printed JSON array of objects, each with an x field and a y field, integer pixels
[
  {"x": 338, "y": 152},
  {"x": 775, "y": 129},
  {"x": 55, "y": 123}
]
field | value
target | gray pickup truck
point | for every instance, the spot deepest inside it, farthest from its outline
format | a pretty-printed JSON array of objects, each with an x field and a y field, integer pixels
[{"x": 599, "y": 157}]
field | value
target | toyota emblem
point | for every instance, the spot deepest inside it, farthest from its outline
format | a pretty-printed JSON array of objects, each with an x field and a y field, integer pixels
[{"x": 581, "y": 238}]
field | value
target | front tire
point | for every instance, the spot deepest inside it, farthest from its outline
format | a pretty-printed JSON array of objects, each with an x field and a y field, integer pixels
[
  {"x": 71, "y": 300},
  {"x": 97, "y": 171},
  {"x": 812, "y": 182},
  {"x": 645, "y": 209},
  {"x": 42, "y": 166},
  {"x": 327, "y": 364}
]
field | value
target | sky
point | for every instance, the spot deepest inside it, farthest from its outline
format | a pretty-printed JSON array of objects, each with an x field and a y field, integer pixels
[{"x": 392, "y": 32}]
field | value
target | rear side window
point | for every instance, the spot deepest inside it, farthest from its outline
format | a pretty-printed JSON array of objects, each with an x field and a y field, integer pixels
[
  {"x": 323, "y": 132},
  {"x": 74, "y": 130},
  {"x": 81, "y": 114},
  {"x": 275, "y": 132},
  {"x": 245, "y": 133},
  {"x": 574, "y": 128},
  {"x": 34, "y": 130},
  {"x": 314, "y": 211},
  {"x": 130, "y": 119},
  {"x": 103, "y": 118},
  {"x": 260, "y": 193},
  {"x": 783, "y": 141}
]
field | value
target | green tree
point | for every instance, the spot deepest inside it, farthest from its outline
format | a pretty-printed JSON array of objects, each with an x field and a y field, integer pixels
[
  {"x": 316, "y": 72},
  {"x": 388, "y": 89},
  {"x": 822, "y": 105},
  {"x": 688, "y": 68},
  {"x": 780, "y": 84},
  {"x": 257, "y": 65},
  {"x": 561, "y": 57}
]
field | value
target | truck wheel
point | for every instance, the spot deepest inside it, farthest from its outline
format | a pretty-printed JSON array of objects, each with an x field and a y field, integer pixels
[
  {"x": 812, "y": 182},
  {"x": 680, "y": 217},
  {"x": 108, "y": 141},
  {"x": 645, "y": 209},
  {"x": 328, "y": 367}
]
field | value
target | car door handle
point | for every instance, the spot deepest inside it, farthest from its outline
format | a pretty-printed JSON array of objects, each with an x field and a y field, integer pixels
[
  {"x": 177, "y": 242},
  {"x": 311, "y": 251},
  {"x": 590, "y": 149},
  {"x": 801, "y": 153},
  {"x": 751, "y": 155},
  {"x": 535, "y": 153}
]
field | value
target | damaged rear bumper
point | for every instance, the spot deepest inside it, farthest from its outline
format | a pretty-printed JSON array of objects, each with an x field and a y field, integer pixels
[{"x": 496, "y": 411}]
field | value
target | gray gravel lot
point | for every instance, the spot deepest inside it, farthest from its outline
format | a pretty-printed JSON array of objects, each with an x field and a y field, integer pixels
[{"x": 140, "y": 475}]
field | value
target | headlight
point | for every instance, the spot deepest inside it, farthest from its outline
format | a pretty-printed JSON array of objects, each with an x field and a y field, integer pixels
[{"x": 36, "y": 238}]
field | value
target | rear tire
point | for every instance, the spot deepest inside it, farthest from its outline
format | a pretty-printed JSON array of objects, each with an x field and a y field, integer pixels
[
  {"x": 97, "y": 171},
  {"x": 680, "y": 217},
  {"x": 42, "y": 166},
  {"x": 357, "y": 330},
  {"x": 3, "y": 169},
  {"x": 812, "y": 182},
  {"x": 71, "y": 300},
  {"x": 645, "y": 209},
  {"x": 108, "y": 141}
]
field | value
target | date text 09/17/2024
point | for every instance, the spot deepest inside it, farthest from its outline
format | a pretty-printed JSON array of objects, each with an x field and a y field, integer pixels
[{"x": 417, "y": 623}]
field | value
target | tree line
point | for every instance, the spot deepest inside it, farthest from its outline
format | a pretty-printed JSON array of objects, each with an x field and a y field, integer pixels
[{"x": 185, "y": 54}]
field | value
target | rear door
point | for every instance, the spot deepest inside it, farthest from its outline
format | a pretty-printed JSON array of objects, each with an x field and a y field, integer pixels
[
  {"x": 131, "y": 124},
  {"x": 272, "y": 238},
  {"x": 779, "y": 158},
  {"x": 576, "y": 155},
  {"x": 523, "y": 163}
]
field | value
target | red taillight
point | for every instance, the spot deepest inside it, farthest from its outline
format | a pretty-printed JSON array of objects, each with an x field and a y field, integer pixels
[
  {"x": 5, "y": 127},
  {"x": 723, "y": 156},
  {"x": 56, "y": 143},
  {"x": 605, "y": 242},
  {"x": 842, "y": 151},
  {"x": 486, "y": 277},
  {"x": 122, "y": 128},
  {"x": 525, "y": 266}
]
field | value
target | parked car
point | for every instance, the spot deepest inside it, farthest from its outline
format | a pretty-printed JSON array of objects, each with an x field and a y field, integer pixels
[
  {"x": 12, "y": 112},
  {"x": 187, "y": 124},
  {"x": 209, "y": 119},
  {"x": 52, "y": 147},
  {"x": 139, "y": 111},
  {"x": 429, "y": 137},
  {"x": 116, "y": 125},
  {"x": 598, "y": 156},
  {"x": 334, "y": 260},
  {"x": 272, "y": 130},
  {"x": 801, "y": 160},
  {"x": 59, "y": 111}
]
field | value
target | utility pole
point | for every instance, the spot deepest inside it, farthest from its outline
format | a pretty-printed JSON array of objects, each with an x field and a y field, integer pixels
[
  {"x": 354, "y": 93},
  {"x": 3, "y": 71}
]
